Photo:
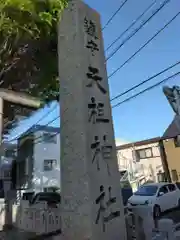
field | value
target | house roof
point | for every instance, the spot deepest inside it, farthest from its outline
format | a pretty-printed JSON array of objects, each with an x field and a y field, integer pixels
[
  {"x": 44, "y": 128},
  {"x": 172, "y": 131},
  {"x": 139, "y": 143},
  {"x": 120, "y": 142},
  {"x": 8, "y": 145}
]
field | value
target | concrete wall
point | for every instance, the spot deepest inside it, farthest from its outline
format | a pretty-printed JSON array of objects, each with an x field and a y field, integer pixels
[{"x": 173, "y": 157}]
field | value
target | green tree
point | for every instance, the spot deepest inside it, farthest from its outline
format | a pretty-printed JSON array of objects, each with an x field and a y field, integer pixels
[{"x": 28, "y": 46}]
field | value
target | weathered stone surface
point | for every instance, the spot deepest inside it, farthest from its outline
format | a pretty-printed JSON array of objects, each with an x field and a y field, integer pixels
[{"x": 86, "y": 175}]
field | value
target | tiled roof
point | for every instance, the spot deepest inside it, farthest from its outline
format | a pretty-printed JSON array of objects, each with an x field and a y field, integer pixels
[
  {"x": 44, "y": 128},
  {"x": 139, "y": 143}
]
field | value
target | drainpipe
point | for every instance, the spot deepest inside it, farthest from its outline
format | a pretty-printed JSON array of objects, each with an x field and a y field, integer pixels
[{"x": 164, "y": 160}]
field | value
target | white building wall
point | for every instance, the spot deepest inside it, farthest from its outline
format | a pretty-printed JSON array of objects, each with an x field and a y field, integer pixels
[
  {"x": 148, "y": 167},
  {"x": 44, "y": 151}
]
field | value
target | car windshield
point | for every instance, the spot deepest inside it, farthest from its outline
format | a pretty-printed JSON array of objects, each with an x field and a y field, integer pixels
[
  {"x": 146, "y": 191},
  {"x": 47, "y": 197}
]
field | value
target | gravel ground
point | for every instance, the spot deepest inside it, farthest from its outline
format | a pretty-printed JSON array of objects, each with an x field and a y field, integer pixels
[{"x": 14, "y": 234}]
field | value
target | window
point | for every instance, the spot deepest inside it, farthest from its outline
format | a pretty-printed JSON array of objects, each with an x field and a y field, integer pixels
[
  {"x": 149, "y": 190},
  {"x": 178, "y": 185},
  {"x": 49, "y": 137},
  {"x": 174, "y": 175},
  {"x": 171, "y": 187},
  {"x": 51, "y": 189},
  {"x": 177, "y": 141},
  {"x": 27, "y": 196},
  {"x": 161, "y": 177},
  {"x": 163, "y": 189},
  {"x": 1, "y": 189},
  {"x": 49, "y": 197},
  {"x": 50, "y": 164},
  {"x": 10, "y": 153},
  {"x": 144, "y": 153}
]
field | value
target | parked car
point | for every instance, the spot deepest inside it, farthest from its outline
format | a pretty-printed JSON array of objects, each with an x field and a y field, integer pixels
[
  {"x": 53, "y": 199},
  {"x": 159, "y": 196}
]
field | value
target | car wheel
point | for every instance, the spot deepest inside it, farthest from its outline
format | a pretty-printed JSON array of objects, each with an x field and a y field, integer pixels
[{"x": 156, "y": 212}]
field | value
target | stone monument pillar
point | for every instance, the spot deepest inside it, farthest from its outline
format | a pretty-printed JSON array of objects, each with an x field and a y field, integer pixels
[{"x": 92, "y": 207}]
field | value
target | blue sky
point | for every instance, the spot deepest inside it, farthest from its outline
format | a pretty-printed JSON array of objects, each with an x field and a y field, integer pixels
[{"x": 149, "y": 114}]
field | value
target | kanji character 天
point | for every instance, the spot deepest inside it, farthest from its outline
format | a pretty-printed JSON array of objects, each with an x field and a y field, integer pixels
[{"x": 93, "y": 74}]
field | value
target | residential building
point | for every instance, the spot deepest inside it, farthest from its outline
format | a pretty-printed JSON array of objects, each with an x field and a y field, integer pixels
[
  {"x": 143, "y": 160},
  {"x": 171, "y": 141},
  {"x": 8, "y": 152},
  {"x": 38, "y": 160}
]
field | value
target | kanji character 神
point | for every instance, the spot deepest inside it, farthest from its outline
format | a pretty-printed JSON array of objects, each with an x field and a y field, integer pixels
[{"x": 101, "y": 151}]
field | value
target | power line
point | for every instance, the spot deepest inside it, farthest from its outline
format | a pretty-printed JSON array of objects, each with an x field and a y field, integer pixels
[
  {"x": 50, "y": 136},
  {"x": 145, "y": 90},
  {"x": 131, "y": 25},
  {"x": 145, "y": 81},
  {"x": 44, "y": 116},
  {"x": 144, "y": 45},
  {"x": 116, "y": 12},
  {"x": 137, "y": 29},
  {"x": 40, "y": 141},
  {"x": 53, "y": 120}
]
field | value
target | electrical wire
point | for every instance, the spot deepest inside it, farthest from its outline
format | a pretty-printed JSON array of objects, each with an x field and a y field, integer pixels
[
  {"x": 144, "y": 45},
  {"x": 41, "y": 140},
  {"x": 29, "y": 133},
  {"x": 116, "y": 12},
  {"x": 47, "y": 124},
  {"x": 145, "y": 90},
  {"x": 145, "y": 81},
  {"x": 53, "y": 120},
  {"x": 131, "y": 25},
  {"x": 137, "y": 29},
  {"x": 44, "y": 116}
]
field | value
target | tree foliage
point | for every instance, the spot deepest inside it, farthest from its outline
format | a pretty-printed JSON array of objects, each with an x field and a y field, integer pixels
[{"x": 28, "y": 46}]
